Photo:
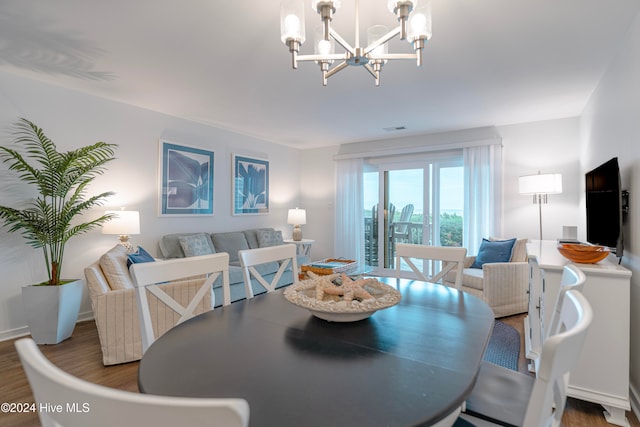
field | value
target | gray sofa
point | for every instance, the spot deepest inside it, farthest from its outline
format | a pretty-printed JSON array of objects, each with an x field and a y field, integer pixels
[{"x": 177, "y": 246}]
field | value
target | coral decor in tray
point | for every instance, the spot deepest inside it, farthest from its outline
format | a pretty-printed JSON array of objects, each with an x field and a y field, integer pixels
[
  {"x": 584, "y": 254},
  {"x": 338, "y": 298}
]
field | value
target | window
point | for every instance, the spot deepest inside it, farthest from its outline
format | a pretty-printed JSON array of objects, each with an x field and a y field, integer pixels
[{"x": 414, "y": 202}]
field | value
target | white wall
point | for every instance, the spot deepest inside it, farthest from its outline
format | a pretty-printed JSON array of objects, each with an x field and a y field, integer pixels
[
  {"x": 610, "y": 127},
  {"x": 72, "y": 119},
  {"x": 317, "y": 183},
  {"x": 549, "y": 147}
]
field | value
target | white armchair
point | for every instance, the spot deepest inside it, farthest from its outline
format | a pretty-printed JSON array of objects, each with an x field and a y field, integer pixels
[
  {"x": 502, "y": 285},
  {"x": 115, "y": 310}
]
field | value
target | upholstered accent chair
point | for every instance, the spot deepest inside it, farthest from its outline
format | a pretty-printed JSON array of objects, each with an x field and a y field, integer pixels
[
  {"x": 502, "y": 285},
  {"x": 115, "y": 310}
]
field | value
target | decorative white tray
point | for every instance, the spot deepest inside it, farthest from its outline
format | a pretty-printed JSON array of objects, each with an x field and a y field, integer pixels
[{"x": 350, "y": 301}]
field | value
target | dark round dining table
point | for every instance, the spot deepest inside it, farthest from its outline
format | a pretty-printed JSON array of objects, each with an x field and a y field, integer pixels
[{"x": 407, "y": 365}]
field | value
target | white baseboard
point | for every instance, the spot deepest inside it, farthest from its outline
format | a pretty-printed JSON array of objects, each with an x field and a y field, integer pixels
[
  {"x": 24, "y": 330},
  {"x": 635, "y": 400},
  {"x": 87, "y": 315},
  {"x": 14, "y": 333}
]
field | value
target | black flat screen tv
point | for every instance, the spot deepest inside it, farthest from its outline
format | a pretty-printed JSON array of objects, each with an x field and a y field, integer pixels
[{"x": 604, "y": 206}]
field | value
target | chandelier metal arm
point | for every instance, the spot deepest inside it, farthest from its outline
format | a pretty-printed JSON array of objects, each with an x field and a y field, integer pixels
[
  {"x": 387, "y": 56},
  {"x": 418, "y": 45},
  {"x": 374, "y": 70},
  {"x": 328, "y": 57},
  {"x": 294, "y": 47},
  {"x": 339, "y": 67},
  {"x": 371, "y": 71},
  {"x": 342, "y": 42}
]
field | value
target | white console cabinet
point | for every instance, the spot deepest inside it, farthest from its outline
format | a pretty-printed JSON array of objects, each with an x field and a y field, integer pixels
[{"x": 602, "y": 372}]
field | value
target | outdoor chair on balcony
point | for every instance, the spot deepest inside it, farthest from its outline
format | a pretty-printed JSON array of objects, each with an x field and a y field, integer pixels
[
  {"x": 371, "y": 237},
  {"x": 401, "y": 230}
]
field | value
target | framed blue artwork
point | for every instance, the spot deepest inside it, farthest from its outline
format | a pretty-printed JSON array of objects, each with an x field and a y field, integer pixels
[
  {"x": 250, "y": 181},
  {"x": 186, "y": 180}
]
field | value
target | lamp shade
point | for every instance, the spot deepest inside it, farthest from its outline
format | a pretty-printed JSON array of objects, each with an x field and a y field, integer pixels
[
  {"x": 297, "y": 216},
  {"x": 123, "y": 223},
  {"x": 550, "y": 183}
]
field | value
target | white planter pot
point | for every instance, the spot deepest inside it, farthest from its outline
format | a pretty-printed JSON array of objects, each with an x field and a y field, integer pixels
[{"x": 52, "y": 311}]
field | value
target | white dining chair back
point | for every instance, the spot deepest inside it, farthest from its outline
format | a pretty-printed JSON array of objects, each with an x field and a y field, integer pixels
[
  {"x": 572, "y": 278},
  {"x": 147, "y": 276},
  {"x": 63, "y": 400},
  {"x": 285, "y": 255},
  {"x": 439, "y": 259},
  {"x": 559, "y": 353},
  {"x": 514, "y": 398}
]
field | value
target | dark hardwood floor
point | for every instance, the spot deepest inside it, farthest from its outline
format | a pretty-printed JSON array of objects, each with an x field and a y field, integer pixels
[{"x": 80, "y": 355}]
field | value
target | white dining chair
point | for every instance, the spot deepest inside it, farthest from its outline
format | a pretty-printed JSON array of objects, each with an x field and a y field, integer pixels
[
  {"x": 439, "y": 259},
  {"x": 572, "y": 278},
  {"x": 251, "y": 259},
  {"x": 147, "y": 276},
  {"x": 64, "y": 400},
  {"x": 502, "y": 395}
]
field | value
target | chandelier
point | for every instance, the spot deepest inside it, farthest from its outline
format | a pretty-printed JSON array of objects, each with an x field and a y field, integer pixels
[{"x": 415, "y": 28}]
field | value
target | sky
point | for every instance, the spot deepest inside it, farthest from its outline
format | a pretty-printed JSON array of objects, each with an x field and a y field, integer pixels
[{"x": 406, "y": 186}]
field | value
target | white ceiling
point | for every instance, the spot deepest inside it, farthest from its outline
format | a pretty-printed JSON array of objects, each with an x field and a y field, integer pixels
[{"x": 490, "y": 62}]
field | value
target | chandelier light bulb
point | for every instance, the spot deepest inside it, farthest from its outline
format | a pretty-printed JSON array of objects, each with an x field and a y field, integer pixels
[
  {"x": 292, "y": 25},
  {"x": 419, "y": 21},
  {"x": 420, "y": 24},
  {"x": 324, "y": 47},
  {"x": 292, "y": 21},
  {"x": 373, "y": 34}
]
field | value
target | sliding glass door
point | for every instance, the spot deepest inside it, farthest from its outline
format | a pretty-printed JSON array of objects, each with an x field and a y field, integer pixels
[{"x": 412, "y": 202}]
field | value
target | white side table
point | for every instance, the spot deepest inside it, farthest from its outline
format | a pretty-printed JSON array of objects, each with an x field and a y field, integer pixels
[{"x": 303, "y": 247}]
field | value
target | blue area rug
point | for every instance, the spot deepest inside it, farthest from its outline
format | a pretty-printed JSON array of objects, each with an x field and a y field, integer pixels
[{"x": 504, "y": 346}]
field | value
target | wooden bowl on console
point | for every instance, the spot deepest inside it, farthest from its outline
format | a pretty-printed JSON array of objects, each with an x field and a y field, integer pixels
[{"x": 583, "y": 254}]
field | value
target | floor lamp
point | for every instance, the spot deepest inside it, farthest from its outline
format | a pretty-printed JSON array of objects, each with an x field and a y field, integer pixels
[{"x": 539, "y": 186}]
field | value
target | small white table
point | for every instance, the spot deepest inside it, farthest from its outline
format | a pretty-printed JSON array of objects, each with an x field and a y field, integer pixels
[{"x": 303, "y": 247}]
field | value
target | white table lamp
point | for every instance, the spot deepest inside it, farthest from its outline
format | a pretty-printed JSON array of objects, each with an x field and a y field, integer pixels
[
  {"x": 297, "y": 217},
  {"x": 123, "y": 224}
]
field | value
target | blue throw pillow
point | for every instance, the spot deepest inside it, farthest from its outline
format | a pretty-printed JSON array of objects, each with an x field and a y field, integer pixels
[
  {"x": 493, "y": 251},
  {"x": 138, "y": 257}
]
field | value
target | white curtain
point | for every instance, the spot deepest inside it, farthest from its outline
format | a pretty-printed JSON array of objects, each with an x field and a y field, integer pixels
[
  {"x": 482, "y": 195},
  {"x": 349, "y": 228}
]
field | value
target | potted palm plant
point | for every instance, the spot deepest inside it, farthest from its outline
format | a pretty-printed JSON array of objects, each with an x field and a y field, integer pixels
[{"x": 50, "y": 221}]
